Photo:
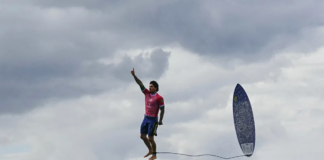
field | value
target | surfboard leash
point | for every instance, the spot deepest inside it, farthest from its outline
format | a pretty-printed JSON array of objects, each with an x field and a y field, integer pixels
[{"x": 199, "y": 155}]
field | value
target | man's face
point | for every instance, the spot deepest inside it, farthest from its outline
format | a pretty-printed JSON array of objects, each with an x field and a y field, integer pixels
[{"x": 152, "y": 88}]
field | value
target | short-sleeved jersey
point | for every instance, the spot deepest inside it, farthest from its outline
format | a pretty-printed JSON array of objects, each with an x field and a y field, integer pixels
[{"x": 153, "y": 102}]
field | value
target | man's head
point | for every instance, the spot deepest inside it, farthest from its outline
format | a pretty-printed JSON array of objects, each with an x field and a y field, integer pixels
[{"x": 154, "y": 87}]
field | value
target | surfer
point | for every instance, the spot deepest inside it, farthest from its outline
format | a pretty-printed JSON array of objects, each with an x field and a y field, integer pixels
[{"x": 153, "y": 103}]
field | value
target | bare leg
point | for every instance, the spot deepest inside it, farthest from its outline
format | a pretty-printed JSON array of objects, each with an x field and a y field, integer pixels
[
  {"x": 148, "y": 145},
  {"x": 151, "y": 139}
]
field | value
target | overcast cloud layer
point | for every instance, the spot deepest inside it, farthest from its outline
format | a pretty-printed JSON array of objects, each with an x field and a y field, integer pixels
[{"x": 66, "y": 91}]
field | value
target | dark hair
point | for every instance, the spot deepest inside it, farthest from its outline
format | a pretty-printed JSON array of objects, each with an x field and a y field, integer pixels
[{"x": 155, "y": 84}]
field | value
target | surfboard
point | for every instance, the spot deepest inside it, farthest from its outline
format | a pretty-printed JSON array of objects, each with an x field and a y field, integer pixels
[{"x": 243, "y": 120}]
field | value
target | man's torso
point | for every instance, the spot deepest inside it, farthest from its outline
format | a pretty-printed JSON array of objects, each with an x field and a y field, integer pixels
[{"x": 153, "y": 102}]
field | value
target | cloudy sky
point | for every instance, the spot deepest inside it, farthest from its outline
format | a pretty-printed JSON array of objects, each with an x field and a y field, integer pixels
[{"x": 67, "y": 92}]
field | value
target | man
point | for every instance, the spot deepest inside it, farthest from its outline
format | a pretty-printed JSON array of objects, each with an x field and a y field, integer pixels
[{"x": 153, "y": 103}]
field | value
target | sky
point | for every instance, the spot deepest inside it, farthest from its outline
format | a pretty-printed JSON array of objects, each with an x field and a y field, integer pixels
[{"x": 66, "y": 91}]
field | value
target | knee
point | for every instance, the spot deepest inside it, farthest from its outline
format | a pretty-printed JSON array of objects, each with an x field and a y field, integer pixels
[{"x": 143, "y": 137}]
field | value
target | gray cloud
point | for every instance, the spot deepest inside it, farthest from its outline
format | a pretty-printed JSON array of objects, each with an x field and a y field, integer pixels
[
  {"x": 254, "y": 30},
  {"x": 26, "y": 85},
  {"x": 152, "y": 67},
  {"x": 251, "y": 31},
  {"x": 53, "y": 53}
]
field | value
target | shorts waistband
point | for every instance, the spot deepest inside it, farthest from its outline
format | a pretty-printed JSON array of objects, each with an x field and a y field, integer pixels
[{"x": 149, "y": 117}]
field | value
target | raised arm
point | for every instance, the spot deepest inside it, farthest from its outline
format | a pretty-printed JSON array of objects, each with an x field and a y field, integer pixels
[{"x": 139, "y": 82}]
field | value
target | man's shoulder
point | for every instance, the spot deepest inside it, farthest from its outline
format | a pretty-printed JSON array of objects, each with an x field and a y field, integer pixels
[{"x": 159, "y": 97}]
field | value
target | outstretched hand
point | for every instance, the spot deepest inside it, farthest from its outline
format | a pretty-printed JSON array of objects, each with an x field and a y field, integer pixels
[{"x": 133, "y": 72}]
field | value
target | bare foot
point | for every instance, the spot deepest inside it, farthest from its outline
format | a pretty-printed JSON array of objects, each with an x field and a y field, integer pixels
[
  {"x": 149, "y": 153},
  {"x": 153, "y": 157}
]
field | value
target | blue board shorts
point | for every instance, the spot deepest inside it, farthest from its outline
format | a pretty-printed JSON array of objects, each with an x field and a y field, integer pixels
[{"x": 149, "y": 125}]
